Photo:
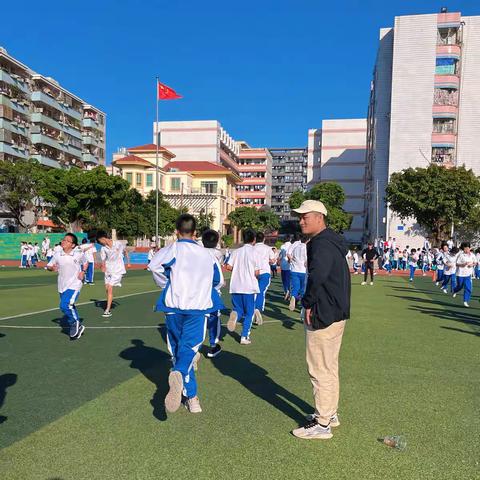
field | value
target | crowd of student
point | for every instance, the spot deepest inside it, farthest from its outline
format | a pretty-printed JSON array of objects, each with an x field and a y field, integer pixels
[{"x": 450, "y": 265}]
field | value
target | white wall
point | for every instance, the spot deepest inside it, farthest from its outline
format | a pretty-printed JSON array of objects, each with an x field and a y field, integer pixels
[{"x": 468, "y": 146}]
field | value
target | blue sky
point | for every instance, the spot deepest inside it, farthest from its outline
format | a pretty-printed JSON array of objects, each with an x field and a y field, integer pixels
[{"x": 267, "y": 70}]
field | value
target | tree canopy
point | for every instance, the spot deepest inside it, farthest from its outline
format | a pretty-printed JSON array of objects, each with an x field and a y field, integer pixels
[
  {"x": 21, "y": 184},
  {"x": 249, "y": 217},
  {"x": 436, "y": 197},
  {"x": 333, "y": 197}
]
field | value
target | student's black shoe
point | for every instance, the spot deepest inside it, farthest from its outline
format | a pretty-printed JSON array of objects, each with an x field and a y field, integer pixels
[{"x": 214, "y": 351}]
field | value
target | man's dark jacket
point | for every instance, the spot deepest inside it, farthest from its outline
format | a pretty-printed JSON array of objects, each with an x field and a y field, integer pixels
[{"x": 328, "y": 284}]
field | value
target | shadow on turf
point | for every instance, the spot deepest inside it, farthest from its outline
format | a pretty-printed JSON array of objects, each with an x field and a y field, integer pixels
[
  {"x": 256, "y": 380},
  {"x": 102, "y": 304},
  {"x": 155, "y": 366},
  {"x": 6, "y": 380}
]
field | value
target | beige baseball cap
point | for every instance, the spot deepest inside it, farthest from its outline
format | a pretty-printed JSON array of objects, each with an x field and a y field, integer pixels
[{"x": 311, "y": 206}]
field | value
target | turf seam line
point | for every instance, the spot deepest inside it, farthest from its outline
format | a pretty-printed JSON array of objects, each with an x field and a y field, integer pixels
[{"x": 78, "y": 305}]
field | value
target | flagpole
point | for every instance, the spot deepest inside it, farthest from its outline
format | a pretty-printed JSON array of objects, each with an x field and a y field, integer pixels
[{"x": 156, "y": 167}]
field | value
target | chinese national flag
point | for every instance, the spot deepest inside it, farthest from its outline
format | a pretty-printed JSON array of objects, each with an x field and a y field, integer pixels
[{"x": 166, "y": 93}]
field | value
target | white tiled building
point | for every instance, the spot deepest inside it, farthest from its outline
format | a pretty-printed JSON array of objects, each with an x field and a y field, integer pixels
[
  {"x": 424, "y": 108},
  {"x": 336, "y": 153}
]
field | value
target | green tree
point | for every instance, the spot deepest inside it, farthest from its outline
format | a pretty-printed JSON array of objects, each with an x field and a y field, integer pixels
[
  {"x": 436, "y": 197},
  {"x": 296, "y": 199},
  {"x": 250, "y": 217},
  {"x": 204, "y": 221},
  {"x": 82, "y": 199},
  {"x": 333, "y": 197},
  {"x": 227, "y": 241},
  {"x": 167, "y": 215},
  {"x": 21, "y": 183}
]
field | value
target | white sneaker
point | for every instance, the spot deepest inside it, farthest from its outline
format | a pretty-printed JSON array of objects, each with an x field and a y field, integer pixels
[
  {"x": 437, "y": 284},
  {"x": 291, "y": 306},
  {"x": 364, "y": 283},
  {"x": 371, "y": 283},
  {"x": 173, "y": 400},
  {"x": 454, "y": 295},
  {"x": 245, "y": 341},
  {"x": 444, "y": 290},
  {"x": 287, "y": 296},
  {"x": 334, "y": 420},
  {"x": 313, "y": 430},
  {"x": 107, "y": 313},
  {"x": 193, "y": 405},
  {"x": 232, "y": 321},
  {"x": 258, "y": 317},
  {"x": 465, "y": 304}
]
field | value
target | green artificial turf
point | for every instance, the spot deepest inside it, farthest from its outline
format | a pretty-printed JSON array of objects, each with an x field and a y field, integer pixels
[{"x": 93, "y": 409}]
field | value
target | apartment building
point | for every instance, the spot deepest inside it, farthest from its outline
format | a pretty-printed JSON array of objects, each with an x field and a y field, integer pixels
[
  {"x": 255, "y": 170},
  {"x": 424, "y": 108},
  {"x": 337, "y": 153},
  {"x": 289, "y": 173},
  {"x": 42, "y": 120}
]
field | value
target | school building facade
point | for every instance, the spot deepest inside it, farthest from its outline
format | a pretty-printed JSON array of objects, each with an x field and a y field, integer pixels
[{"x": 424, "y": 108}]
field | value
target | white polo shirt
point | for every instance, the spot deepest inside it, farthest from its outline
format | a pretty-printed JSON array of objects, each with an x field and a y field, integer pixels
[
  {"x": 69, "y": 266},
  {"x": 466, "y": 258},
  {"x": 113, "y": 258},
  {"x": 244, "y": 263},
  {"x": 450, "y": 262},
  {"x": 89, "y": 250},
  {"x": 298, "y": 254},
  {"x": 264, "y": 256}
]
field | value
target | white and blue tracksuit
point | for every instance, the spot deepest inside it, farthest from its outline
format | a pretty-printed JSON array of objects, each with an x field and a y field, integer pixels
[
  {"x": 265, "y": 257},
  {"x": 263, "y": 284},
  {"x": 464, "y": 274},
  {"x": 298, "y": 267},
  {"x": 188, "y": 275},
  {"x": 67, "y": 305}
]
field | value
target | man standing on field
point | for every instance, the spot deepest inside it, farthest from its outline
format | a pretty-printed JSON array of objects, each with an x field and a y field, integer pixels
[{"x": 327, "y": 306}]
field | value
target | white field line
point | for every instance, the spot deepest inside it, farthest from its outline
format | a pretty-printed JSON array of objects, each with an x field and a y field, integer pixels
[
  {"x": 112, "y": 327},
  {"x": 78, "y": 305}
]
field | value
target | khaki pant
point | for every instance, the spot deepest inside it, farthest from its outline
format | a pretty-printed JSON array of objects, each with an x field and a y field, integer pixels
[{"x": 323, "y": 348}]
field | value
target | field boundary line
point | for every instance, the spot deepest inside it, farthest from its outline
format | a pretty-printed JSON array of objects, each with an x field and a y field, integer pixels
[{"x": 20, "y": 315}]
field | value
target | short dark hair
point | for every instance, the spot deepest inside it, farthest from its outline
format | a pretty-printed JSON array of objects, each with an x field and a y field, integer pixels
[
  {"x": 101, "y": 234},
  {"x": 186, "y": 224},
  {"x": 84, "y": 240},
  {"x": 210, "y": 238},
  {"x": 444, "y": 244},
  {"x": 465, "y": 245},
  {"x": 248, "y": 235},
  {"x": 73, "y": 237},
  {"x": 414, "y": 250},
  {"x": 454, "y": 250},
  {"x": 260, "y": 237}
]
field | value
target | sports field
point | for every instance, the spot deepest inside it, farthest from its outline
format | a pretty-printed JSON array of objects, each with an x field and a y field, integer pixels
[{"x": 93, "y": 409}]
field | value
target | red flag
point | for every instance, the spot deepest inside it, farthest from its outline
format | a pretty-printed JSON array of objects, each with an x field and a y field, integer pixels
[{"x": 166, "y": 93}]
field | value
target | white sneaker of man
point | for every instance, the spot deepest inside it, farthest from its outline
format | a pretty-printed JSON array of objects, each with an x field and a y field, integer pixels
[
  {"x": 232, "y": 321},
  {"x": 313, "y": 431}
]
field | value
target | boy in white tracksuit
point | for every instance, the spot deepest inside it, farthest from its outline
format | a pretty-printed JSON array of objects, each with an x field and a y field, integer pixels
[
  {"x": 210, "y": 240},
  {"x": 188, "y": 275},
  {"x": 243, "y": 264},
  {"x": 466, "y": 262}
]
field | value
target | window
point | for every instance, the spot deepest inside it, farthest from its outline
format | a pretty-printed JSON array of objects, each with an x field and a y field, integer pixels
[
  {"x": 149, "y": 180},
  {"x": 128, "y": 177},
  {"x": 138, "y": 179},
  {"x": 444, "y": 125},
  {"x": 209, "y": 187},
  {"x": 175, "y": 184}
]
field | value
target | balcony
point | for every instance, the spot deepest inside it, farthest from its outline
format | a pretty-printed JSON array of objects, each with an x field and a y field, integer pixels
[
  {"x": 72, "y": 131},
  {"x": 443, "y": 140},
  {"x": 443, "y": 96},
  {"x": 451, "y": 51},
  {"x": 252, "y": 168},
  {"x": 14, "y": 104},
  {"x": 444, "y": 111},
  {"x": 38, "y": 138},
  {"x": 91, "y": 140},
  {"x": 71, "y": 111},
  {"x": 89, "y": 158},
  {"x": 47, "y": 161},
  {"x": 13, "y": 150},
  {"x": 91, "y": 123},
  {"x": 41, "y": 118},
  {"x": 447, "y": 81},
  {"x": 250, "y": 195},
  {"x": 13, "y": 126},
  {"x": 39, "y": 96},
  {"x": 7, "y": 78}
]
